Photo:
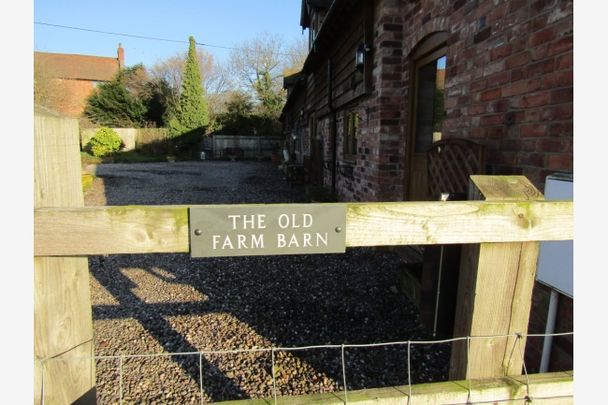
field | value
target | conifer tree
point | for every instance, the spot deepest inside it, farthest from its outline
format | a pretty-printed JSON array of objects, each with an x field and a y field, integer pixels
[
  {"x": 113, "y": 105},
  {"x": 192, "y": 112}
]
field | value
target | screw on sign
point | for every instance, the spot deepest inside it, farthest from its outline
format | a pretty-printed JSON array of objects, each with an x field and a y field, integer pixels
[{"x": 267, "y": 230}]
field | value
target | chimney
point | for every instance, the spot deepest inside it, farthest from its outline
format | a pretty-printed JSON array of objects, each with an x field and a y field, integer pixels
[{"x": 121, "y": 57}]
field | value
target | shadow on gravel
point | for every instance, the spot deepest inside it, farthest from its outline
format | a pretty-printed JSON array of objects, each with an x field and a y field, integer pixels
[
  {"x": 290, "y": 301},
  {"x": 152, "y": 318}
]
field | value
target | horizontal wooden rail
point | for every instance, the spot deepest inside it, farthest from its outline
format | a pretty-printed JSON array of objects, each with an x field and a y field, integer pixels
[
  {"x": 164, "y": 229},
  {"x": 548, "y": 389}
]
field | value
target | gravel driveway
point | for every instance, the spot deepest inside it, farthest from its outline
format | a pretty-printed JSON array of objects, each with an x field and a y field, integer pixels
[{"x": 170, "y": 303}]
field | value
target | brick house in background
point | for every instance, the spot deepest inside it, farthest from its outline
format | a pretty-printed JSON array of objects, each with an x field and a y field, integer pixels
[
  {"x": 75, "y": 76},
  {"x": 384, "y": 79}
]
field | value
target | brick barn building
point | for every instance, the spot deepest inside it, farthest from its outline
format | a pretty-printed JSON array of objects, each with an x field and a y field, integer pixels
[
  {"x": 385, "y": 79},
  {"x": 505, "y": 68},
  {"x": 76, "y": 76}
]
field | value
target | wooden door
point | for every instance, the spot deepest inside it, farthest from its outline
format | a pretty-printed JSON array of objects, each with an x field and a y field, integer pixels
[{"x": 427, "y": 117}]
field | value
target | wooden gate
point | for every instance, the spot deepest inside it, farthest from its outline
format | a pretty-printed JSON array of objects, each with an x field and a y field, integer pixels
[{"x": 502, "y": 225}]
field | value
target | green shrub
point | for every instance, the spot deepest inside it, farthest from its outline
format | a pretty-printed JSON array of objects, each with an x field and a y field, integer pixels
[{"x": 105, "y": 142}]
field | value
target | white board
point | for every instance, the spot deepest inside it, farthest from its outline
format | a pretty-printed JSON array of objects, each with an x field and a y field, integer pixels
[{"x": 555, "y": 260}]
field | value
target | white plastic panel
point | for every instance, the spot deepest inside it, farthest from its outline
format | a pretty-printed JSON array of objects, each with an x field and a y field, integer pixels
[{"x": 555, "y": 261}]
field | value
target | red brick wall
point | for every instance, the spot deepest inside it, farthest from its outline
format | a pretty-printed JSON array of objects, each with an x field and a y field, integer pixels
[
  {"x": 509, "y": 86},
  {"x": 379, "y": 170},
  {"x": 384, "y": 142},
  {"x": 509, "y": 81},
  {"x": 74, "y": 94}
]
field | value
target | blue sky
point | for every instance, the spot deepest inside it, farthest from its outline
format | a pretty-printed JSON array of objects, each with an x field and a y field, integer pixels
[{"x": 215, "y": 22}]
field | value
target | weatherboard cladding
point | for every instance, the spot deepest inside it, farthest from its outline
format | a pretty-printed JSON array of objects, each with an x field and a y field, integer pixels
[{"x": 308, "y": 6}]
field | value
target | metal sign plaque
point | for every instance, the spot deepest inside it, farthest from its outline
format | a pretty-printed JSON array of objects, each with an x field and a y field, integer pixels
[{"x": 254, "y": 230}]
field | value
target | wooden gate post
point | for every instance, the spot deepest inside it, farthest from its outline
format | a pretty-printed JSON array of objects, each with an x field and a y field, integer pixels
[
  {"x": 495, "y": 289},
  {"x": 64, "y": 369}
]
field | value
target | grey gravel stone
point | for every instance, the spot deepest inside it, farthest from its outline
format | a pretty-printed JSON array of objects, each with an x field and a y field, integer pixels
[{"x": 168, "y": 303}]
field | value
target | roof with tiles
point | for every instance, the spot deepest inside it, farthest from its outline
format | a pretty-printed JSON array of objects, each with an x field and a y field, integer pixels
[{"x": 79, "y": 67}]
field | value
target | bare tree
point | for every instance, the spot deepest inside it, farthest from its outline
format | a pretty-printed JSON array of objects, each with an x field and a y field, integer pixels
[
  {"x": 215, "y": 77},
  {"x": 253, "y": 58},
  {"x": 258, "y": 67},
  {"x": 47, "y": 88},
  {"x": 296, "y": 54}
]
